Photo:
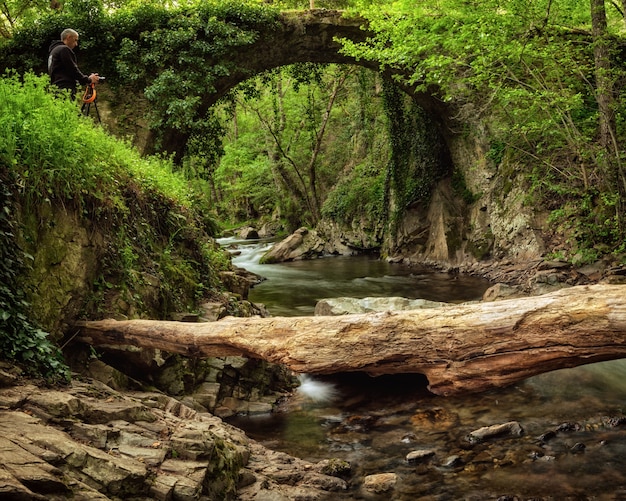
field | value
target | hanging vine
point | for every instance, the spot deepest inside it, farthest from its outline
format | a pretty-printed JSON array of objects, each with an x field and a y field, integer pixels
[
  {"x": 418, "y": 154},
  {"x": 21, "y": 340}
]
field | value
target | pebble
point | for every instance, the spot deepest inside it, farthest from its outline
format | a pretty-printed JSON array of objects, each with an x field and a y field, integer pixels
[
  {"x": 419, "y": 455},
  {"x": 548, "y": 435},
  {"x": 512, "y": 428},
  {"x": 453, "y": 461},
  {"x": 578, "y": 448}
]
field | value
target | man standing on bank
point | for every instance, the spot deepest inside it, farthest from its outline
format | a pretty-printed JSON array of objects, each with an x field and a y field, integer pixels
[{"x": 62, "y": 66}]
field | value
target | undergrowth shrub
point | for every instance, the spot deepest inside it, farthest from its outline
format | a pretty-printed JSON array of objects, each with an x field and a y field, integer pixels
[
  {"x": 57, "y": 154},
  {"x": 361, "y": 194},
  {"x": 155, "y": 225},
  {"x": 21, "y": 340}
]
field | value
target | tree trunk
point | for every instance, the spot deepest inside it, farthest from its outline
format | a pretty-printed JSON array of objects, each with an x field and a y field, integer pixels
[
  {"x": 604, "y": 82},
  {"x": 605, "y": 98},
  {"x": 317, "y": 146},
  {"x": 459, "y": 348}
]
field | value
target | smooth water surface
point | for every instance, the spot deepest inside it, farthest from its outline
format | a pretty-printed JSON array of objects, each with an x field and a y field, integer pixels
[
  {"x": 375, "y": 422},
  {"x": 293, "y": 289}
]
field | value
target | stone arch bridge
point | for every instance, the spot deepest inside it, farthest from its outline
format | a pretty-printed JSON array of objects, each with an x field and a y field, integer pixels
[{"x": 299, "y": 37}]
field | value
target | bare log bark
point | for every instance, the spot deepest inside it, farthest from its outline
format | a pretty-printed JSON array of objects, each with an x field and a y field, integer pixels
[{"x": 460, "y": 348}]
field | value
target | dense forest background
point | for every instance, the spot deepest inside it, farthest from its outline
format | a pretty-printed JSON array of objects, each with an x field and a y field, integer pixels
[
  {"x": 546, "y": 80},
  {"x": 542, "y": 81}
]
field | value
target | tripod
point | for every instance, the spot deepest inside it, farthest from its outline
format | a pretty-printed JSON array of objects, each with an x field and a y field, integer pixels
[{"x": 89, "y": 98}]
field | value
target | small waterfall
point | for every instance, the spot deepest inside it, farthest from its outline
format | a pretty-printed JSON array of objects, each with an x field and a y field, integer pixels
[
  {"x": 315, "y": 390},
  {"x": 246, "y": 253}
]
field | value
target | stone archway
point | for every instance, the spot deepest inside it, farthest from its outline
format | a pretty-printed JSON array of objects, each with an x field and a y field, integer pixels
[{"x": 298, "y": 37}]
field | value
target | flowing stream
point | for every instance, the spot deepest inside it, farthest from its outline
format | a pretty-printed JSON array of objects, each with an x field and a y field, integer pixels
[{"x": 574, "y": 441}]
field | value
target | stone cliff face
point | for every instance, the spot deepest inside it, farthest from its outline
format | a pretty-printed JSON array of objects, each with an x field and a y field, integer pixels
[
  {"x": 500, "y": 224},
  {"x": 497, "y": 225},
  {"x": 447, "y": 230},
  {"x": 66, "y": 253}
]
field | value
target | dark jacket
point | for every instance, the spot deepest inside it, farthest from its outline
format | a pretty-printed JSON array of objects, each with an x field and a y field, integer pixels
[{"x": 62, "y": 67}]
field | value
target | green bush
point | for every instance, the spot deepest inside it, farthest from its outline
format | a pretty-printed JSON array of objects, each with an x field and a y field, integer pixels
[
  {"x": 361, "y": 194},
  {"x": 56, "y": 154},
  {"x": 154, "y": 222}
]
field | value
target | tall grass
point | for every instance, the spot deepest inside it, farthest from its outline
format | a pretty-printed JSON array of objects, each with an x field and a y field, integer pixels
[
  {"x": 49, "y": 152},
  {"x": 58, "y": 154}
]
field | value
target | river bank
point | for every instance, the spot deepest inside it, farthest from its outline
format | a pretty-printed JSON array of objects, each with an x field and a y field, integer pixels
[
  {"x": 89, "y": 441},
  {"x": 536, "y": 277},
  {"x": 107, "y": 436}
]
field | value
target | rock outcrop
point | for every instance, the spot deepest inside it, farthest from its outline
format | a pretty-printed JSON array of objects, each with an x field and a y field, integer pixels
[
  {"x": 90, "y": 442},
  {"x": 302, "y": 244},
  {"x": 349, "y": 305}
]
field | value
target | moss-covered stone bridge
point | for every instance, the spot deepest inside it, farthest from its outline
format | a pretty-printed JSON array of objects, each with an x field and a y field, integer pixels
[
  {"x": 138, "y": 51},
  {"x": 297, "y": 37}
]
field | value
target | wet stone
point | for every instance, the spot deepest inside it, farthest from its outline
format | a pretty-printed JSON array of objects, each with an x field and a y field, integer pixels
[
  {"x": 548, "y": 435},
  {"x": 504, "y": 430},
  {"x": 566, "y": 427},
  {"x": 578, "y": 448},
  {"x": 419, "y": 455},
  {"x": 150, "y": 456},
  {"x": 163, "y": 487},
  {"x": 380, "y": 482},
  {"x": 407, "y": 438},
  {"x": 334, "y": 467},
  {"x": 434, "y": 419},
  {"x": 617, "y": 421},
  {"x": 453, "y": 461},
  {"x": 246, "y": 477},
  {"x": 540, "y": 456}
]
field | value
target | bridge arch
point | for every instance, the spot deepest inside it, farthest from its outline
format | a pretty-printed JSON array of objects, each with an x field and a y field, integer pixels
[{"x": 298, "y": 37}]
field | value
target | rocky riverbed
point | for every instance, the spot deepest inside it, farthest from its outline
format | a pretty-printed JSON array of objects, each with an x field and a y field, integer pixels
[
  {"x": 105, "y": 436},
  {"x": 89, "y": 441}
]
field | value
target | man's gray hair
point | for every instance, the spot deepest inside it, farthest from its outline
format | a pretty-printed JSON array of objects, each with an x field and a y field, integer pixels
[{"x": 67, "y": 32}]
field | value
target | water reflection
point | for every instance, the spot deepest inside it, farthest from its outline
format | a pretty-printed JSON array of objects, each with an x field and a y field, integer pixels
[{"x": 375, "y": 422}]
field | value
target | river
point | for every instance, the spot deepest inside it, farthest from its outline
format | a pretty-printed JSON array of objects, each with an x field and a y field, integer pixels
[{"x": 373, "y": 423}]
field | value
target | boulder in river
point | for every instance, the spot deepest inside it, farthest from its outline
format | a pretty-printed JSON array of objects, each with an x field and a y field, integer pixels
[
  {"x": 419, "y": 455},
  {"x": 302, "y": 244},
  {"x": 380, "y": 482},
  {"x": 249, "y": 233},
  {"x": 350, "y": 305}
]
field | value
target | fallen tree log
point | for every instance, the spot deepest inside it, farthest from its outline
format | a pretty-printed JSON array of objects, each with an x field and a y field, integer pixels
[{"x": 459, "y": 348}]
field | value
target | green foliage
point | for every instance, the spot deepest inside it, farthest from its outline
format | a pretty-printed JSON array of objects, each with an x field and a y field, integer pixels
[
  {"x": 17, "y": 13},
  {"x": 20, "y": 339},
  {"x": 418, "y": 157},
  {"x": 526, "y": 69},
  {"x": 591, "y": 224},
  {"x": 357, "y": 196},
  {"x": 509, "y": 59},
  {"x": 461, "y": 189},
  {"x": 245, "y": 182},
  {"x": 198, "y": 39},
  {"x": 272, "y": 136},
  {"x": 27, "y": 49},
  {"x": 141, "y": 46},
  {"x": 58, "y": 155},
  {"x": 156, "y": 224},
  {"x": 496, "y": 152},
  {"x": 318, "y": 4}
]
